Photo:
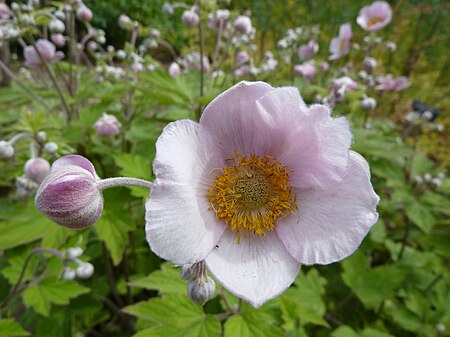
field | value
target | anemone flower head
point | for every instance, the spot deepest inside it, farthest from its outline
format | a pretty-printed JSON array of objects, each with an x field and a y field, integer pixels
[
  {"x": 262, "y": 184},
  {"x": 308, "y": 50},
  {"x": 47, "y": 51},
  {"x": 340, "y": 45},
  {"x": 389, "y": 83},
  {"x": 375, "y": 16}
]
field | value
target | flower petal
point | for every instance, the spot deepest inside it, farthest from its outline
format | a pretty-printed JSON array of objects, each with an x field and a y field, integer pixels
[
  {"x": 330, "y": 224},
  {"x": 306, "y": 140},
  {"x": 180, "y": 227},
  {"x": 75, "y": 160},
  {"x": 257, "y": 268},
  {"x": 230, "y": 117}
]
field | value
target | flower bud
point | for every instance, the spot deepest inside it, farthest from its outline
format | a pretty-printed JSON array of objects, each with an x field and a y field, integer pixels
[
  {"x": 243, "y": 24},
  {"x": 4, "y": 11},
  {"x": 57, "y": 26},
  {"x": 168, "y": 8},
  {"x": 6, "y": 150},
  {"x": 190, "y": 18},
  {"x": 74, "y": 252},
  {"x": 368, "y": 104},
  {"x": 391, "y": 46},
  {"x": 121, "y": 55},
  {"x": 201, "y": 289},
  {"x": 188, "y": 271},
  {"x": 51, "y": 147},
  {"x": 84, "y": 14},
  {"x": 125, "y": 22},
  {"x": 137, "y": 67},
  {"x": 41, "y": 136},
  {"x": 107, "y": 126},
  {"x": 69, "y": 274},
  {"x": 60, "y": 14},
  {"x": 369, "y": 64},
  {"x": 36, "y": 169},
  {"x": 85, "y": 270},
  {"x": 324, "y": 66},
  {"x": 174, "y": 69},
  {"x": 242, "y": 57},
  {"x": 58, "y": 40},
  {"x": 69, "y": 194},
  {"x": 155, "y": 33}
]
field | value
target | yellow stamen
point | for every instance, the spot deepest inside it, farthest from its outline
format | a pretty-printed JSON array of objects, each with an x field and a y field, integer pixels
[
  {"x": 374, "y": 21},
  {"x": 252, "y": 194}
]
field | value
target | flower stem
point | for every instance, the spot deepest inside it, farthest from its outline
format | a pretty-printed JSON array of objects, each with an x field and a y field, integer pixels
[
  {"x": 202, "y": 47},
  {"x": 121, "y": 181},
  {"x": 19, "y": 136}
]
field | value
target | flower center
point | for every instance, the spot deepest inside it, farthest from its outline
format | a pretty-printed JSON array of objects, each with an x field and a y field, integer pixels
[
  {"x": 252, "y": 193},
  {"x": 374, "y": 21}
]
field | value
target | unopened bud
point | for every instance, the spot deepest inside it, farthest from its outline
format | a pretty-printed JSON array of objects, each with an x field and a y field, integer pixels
[
  {"x": 369, "y": 64},
  {"x": 243, "y": 24},
  {"x": 36, "y": 169},
  {"x": 168, "y": 8},
  {"x": 69, "y": 274},
  {"x": 368, "y": 104},
  {"x": 74, "y": 252},
  {"x": 58, "y": 40},
  {"x": 391, "y": 46},
  {"x": 51, "y": 147},
  {"x": 57, "y": 26},
  {"x": 188, "y": 271},
  {"x": 190, "y": 18},
  {"x": 107, "y": 126},
  {"x": 6, "y": 150},
  {"x": 125, "y": 22},
  {"x": 201, "y": 289},
  {"x": 69, "y": 194},
  {"x": 41, "y": 136},
  {"x": 121, "y": 55},
  {"x": 84, "y": 14},
  {"x": 85, "y": 270},
  {"x": 174, "y": 69}
]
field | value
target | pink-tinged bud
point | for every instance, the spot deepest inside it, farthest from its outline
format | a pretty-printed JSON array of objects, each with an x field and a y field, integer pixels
[
  {"x": 46, "y": 49},
  {"x": 369, "y": 64},
  {"x": 4, "y": 11},
  {"x": 242, "y": 57},
  {"x": 174, "y": 69},
  {"x": 307, "y": 70},
  {"x": 125, "y": 22},
  {"x": 6, "y": 150},
  {"x": 69, "y": 195},
  {"x": 137, "y": 67},
  {"x": 242, "y": 71},
  {"x": 243, "y": 24},
  {"x": 107, "y": 126},
  {"x": 168, "y": 8},
  {"x": 58, "y": 40},
  {"x": 190, "y": 18},
  {"x": 36, "y": 169},
  {"x": 324, "y": 66},
  {"x": 92, "y": 45},
  {"x": 84, "y": 14}
]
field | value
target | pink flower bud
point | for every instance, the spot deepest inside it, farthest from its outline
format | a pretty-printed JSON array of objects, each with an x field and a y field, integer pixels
[
  {"x": 243, "y": 24},
  {"x": 137, "y": 67},
  {"x": 92, "y": 45},
  {"x": 84, "y": 14},
  {"x": 190, "y": 18},
  {"x": 168, "y": 8},
  {"x": 324, "y": 66},
  {"x": 4, "y": 11},
  {"x": 125, "y": 22},
  {"x": 242, "y": 57},
  {"x": 107, "y": 126},
  {"x": 174, "y": 69},
  {"x": 47, "y": 51},
  {"x": 69, "y": 194},
  {"x": 36, "y": 169},
  {"x": 58, "y": 40}
]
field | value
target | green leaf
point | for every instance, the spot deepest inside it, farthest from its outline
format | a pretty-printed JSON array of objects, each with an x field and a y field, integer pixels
[
  {"x": 421, "y": 215},
  {"x": 252, "y": 323},
  {"x": 175, "y": 315},
  {"x": 369, "y": 332},
  {"x": 10, "y": 328},
  {"x": 371, "y": 286},
  {"x": 166, "y": 281},
  {"x": 113, "y": 231},
  {"x": 50, "y": 291},
  {"x": 135, "y": 166},
  {"x": 344, "y": 331}
]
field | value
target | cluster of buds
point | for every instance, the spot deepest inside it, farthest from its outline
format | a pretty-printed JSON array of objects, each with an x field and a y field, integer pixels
[
  {"x": 430, "y": 179},
  {"x": 201, "y": 287},
  {"x": 83, "y": 269}
]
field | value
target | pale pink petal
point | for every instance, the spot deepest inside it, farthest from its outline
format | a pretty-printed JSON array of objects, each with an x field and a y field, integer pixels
[
  {"x": 230, "y": 117},
  {"x": 256, "y": 269},
  {"x": 306, "y": 140},
  {"x": 75, "y": 160},
  {"x": 180, "y": 227},
  {"x": 330, "y": 224}
]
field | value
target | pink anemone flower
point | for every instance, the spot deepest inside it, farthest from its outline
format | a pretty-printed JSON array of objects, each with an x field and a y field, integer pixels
[
  {"x": 340, "y": 45},
  {"x": 262, "y": 184},
  {"x": 389, "y": 83},
  {"x": 47, "y": 51},
  {"x": 375, "y": 16}
]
